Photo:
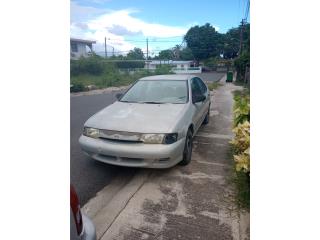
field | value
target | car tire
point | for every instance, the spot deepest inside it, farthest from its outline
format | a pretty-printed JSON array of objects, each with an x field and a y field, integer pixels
[
  {"x": 187, "y": 152},
  {"x": 206, "y": 119}
]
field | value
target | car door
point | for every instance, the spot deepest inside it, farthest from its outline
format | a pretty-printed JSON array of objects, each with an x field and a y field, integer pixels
[
  {"x": 205, "y": 92},
  {"x": 196, "y": 89}
]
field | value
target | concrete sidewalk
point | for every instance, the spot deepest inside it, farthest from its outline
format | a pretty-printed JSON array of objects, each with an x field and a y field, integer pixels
[{"x": 191, "y": 202}]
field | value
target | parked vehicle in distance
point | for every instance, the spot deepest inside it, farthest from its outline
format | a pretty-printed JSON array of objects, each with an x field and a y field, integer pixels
[
  {"x": 81, "y": 227},
  {"x": 151, "y": 125}
]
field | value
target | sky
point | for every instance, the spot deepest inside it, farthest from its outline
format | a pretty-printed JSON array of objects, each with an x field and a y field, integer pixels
[{"x": 127, "y": 24}]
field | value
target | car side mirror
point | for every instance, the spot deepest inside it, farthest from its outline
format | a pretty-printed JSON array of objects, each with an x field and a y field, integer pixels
[
  {"x": 198, "y": 98},
  {"x": 119, "y": 95}
]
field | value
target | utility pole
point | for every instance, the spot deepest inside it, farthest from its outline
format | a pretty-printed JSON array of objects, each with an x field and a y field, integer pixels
[
  {"x": 147, "y": 54},
  {"x": 112, "y": 51},
  {"x": 147, "y": 49},
  {"x": 105, "y": 47},
  {"x": 241, "y": 36}
]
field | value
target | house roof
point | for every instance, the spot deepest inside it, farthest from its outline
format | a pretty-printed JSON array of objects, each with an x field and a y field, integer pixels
[{"x": 81, "y": 40}]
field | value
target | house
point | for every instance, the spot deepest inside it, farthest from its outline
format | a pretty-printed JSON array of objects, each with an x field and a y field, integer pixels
[
  {"x": 177, "y": 66},
  {"x": 80, "y": 47}
]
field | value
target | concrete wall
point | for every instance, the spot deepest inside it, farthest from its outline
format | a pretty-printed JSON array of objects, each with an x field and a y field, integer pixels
[{"x": 187, "y": 70}]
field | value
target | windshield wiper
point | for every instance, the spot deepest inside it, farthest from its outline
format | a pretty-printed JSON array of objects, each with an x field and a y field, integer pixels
[
  {"x": 153, "y": 102},
  {"x": 128, "y": 101}
]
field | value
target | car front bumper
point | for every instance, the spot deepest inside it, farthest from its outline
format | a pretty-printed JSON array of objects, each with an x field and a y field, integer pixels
[{"x": 133, "y": 154}]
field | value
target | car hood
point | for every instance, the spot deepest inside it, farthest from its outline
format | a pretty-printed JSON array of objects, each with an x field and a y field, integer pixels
[{"x": 137, "y": 117}]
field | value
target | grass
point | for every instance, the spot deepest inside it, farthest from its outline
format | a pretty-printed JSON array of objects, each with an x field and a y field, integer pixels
[
  {"x": 112, "y": 77},
  {"x": 102, "y": 81},
  {"x": 238, "y": 83},
  {"x": 242, "y": 183},
  {"x": 108, "y": 79},
  {"x": 214, "y": 85},
  {"x": 243, "y": 93}
]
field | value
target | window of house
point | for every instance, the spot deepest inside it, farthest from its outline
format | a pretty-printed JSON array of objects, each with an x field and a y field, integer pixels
[{"x": 74, "y": 47}]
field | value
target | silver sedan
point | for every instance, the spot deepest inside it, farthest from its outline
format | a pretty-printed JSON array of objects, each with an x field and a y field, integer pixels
[{"x": 151, "y": 125}]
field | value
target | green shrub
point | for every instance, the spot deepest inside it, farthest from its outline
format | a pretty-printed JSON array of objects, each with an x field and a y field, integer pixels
[
  {"x": 130, "y": 64},
  {"x": 241, "y": 147},
  {"x": 163, "y": 69},
  {"x": 240, "y": 65},
  {"x": 241, "y": 108},
  {"x": 242, "y": 183},
  {"x": 77, "y": 87},
  {"x": 90, "y": 65}
]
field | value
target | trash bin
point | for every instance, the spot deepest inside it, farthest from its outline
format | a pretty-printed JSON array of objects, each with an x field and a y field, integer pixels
[{"x": 229, "y": 76}]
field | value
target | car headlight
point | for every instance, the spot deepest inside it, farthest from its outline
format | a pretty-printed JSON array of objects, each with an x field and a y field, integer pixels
[
  {"x": 170, "y": 138},
  {"x": 159, "y": 138},
  {"x": 152, "y": 138},
  {"x": 91, "y": 132}
]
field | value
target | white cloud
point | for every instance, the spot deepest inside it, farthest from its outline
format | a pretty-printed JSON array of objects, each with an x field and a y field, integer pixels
[
  {"x": 93, "y": 23},
  {"x": 124, "y": 19}
]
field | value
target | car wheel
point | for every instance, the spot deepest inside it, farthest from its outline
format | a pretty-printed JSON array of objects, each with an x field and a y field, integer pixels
[
  {"x": 206, "y": 119},
  {"x": 187, "y": 152}
]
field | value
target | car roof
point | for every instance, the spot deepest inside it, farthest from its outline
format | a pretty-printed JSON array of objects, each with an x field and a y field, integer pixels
[{"x": 181, "y": 77}]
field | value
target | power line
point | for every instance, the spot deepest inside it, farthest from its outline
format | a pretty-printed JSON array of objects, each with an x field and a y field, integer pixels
[
  {"x": 157, "y": 50},
  {"x": 156, "y": 41},
  {"x": 247, "y": 10}
]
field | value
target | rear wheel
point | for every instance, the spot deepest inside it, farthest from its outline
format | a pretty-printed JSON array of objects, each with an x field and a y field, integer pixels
[{"x": 187, "y": 152}]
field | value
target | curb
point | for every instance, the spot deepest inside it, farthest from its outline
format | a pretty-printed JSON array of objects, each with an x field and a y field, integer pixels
[{"x": 109, "y": 203}]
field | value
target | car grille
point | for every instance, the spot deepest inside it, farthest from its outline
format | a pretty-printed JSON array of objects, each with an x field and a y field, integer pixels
[
  {"x": 118, "y": 136},
  {"x": 120, "y": 140}
]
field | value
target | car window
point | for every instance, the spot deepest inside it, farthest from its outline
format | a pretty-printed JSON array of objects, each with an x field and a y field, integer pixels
[
  {"x": 157, "y": 91},
  {"x": 195, "y": 87},
  {"x": 203, "y": 87}
]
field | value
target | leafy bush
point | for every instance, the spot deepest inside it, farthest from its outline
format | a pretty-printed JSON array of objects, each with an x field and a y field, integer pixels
[
  {"x": 77, "y": 87},
  {"x": 240, "y": 65},
  {"x": 163, "y": 69},
  {"x": 241, "y": 147},
  {"x": 241, "y": 109},
  {"x": 130, "y": 64},
  {"x": 241, "y": 143},
  {"x": 90, "y": 65}
]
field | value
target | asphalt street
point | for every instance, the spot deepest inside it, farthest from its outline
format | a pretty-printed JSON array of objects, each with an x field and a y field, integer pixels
[
  {"x": 89, "y": 176},
  {"x": 86, "y": 175}
]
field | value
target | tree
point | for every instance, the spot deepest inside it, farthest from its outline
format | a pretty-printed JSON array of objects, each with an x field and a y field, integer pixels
[
  {"x": 232, "y": 41},
  {"x": 204, "y": 41},
  {"x": 166, "y": 54},
  {"x": 240, "y": 65},
  {"x": 135, "y": 54},
  {"x": 176, "y": 51},
  {"x": 186, "y": 54}
]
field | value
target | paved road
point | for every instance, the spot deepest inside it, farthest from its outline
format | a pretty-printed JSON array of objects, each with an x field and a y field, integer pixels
[
  {"x": 86, "y": 175},
  {"x": 89, "y": 176},
  {"x": 211, "y": 76}
]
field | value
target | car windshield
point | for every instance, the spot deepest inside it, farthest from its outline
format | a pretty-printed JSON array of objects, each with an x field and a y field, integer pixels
[{"x": 157, "y": 91}]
